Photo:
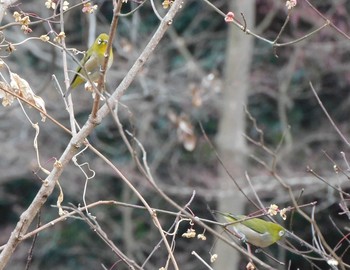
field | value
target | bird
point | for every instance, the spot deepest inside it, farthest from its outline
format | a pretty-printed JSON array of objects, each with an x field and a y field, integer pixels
[
  {"x": 255, "y": 231},
  {"x": 91, "y": 64}
]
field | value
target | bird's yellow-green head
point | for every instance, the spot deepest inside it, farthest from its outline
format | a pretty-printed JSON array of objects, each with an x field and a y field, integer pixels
[
  {"x": 90, "y": 66},
  {"x": 100, "y": 44},
  {"x": 256, "y": 231}
]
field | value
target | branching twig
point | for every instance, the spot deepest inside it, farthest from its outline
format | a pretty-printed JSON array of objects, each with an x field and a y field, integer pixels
[
  {"x": 327, "y": 20},
  {"x": 328, "y": 116},
  {"x": 49, "y": 184},
  {"x": 30, "y": 253},
  {"x": 201, "y": 259},
  {"x": 98, "y": 230},
  {"x": 101, "y": 80},
  {"x": 225, "y": 167},
  {"x": 189, "y": 215},
  {"x": 36, "y": 108},
  {"x": 274, "y": 43}
]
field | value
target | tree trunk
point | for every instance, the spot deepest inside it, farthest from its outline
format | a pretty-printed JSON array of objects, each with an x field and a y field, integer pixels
[{"x": 231, "y": 143}]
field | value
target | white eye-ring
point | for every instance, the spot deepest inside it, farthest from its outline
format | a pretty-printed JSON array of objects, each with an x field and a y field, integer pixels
[
  {"x": 281, "y": 233},
  {"x": 99, "y": 41}
]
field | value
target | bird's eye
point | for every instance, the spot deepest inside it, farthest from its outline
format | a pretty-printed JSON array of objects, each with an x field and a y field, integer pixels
[
  {"x": 281, "y": 233},
  {"x": 99, "y": 41}
]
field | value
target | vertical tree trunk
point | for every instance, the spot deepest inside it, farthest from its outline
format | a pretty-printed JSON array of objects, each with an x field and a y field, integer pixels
[{"x": 230, "y": 140}]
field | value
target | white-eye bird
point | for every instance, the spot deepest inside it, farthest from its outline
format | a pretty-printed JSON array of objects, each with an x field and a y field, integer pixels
[
  {"x": 256, "y": 231},
  {"x": 90, "y": 66}
]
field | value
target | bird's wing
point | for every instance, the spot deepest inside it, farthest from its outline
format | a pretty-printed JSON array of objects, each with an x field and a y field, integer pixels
[{"x": 255, "y": 224}]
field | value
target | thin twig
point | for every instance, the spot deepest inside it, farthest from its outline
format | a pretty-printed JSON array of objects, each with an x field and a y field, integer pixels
[
  {"x": 101, "y": 80},
  {"x": 327, "y": 20},
  {"x": 36, "y": 108},
  {"x": 225, "y": 167},
  {"x": 201, "y": 259},
  {"x": 280, "y": 32},
  {"x": 95, "y": 226},
  {"x": 328, "y": 116},
  {"x": 30, "y": 253},
  {"x": 47, "y": 187},
  {"x": 311, "y": 171}
]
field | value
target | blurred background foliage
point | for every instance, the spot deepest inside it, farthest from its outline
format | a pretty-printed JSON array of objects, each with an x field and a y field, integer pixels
[{"x": 185, "y": 70}]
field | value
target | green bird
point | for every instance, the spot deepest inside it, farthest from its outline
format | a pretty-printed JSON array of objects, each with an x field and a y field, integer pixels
[
  {"x": 92, "y": 63},
  {"x": 255, "y": 231}
]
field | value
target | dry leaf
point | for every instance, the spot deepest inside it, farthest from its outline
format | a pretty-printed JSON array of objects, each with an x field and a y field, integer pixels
[
  {"x": 185, "y": 130},
  {"x": 197, "y": 100},
  {"x": 7, "y": 99},
  {"x": 21, "y": 87}
]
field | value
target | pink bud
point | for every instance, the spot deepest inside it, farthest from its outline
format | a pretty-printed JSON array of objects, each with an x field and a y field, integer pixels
[{"x": 229, "y": 17}]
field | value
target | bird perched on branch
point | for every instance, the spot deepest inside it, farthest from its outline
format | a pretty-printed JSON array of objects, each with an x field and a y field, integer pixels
[
  {"x": 90, "y": 66},
  {"x": 256, "y": 231}
]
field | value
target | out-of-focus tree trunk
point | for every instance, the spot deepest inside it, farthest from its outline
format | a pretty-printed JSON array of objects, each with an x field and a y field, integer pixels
[{"x": 231, "y": 143}]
